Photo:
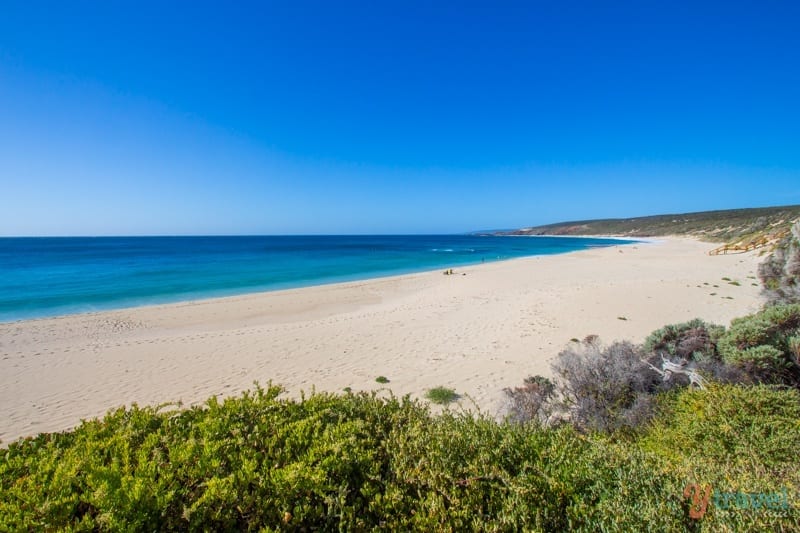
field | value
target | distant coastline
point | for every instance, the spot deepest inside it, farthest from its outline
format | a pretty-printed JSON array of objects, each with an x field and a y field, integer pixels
[
  {"x": 623, "y": 238},
  {"x": 713, "y": 226}
]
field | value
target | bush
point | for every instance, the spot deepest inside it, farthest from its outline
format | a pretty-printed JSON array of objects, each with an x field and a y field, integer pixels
[
  {"x": 733, "y": 439},
  {"x": 780, "y": 272},
  {"x": 732, "y": 425},
  {"x": 465, "y": 473},
  {"x": 533, "y": 402},
  {"x": 441, "y": 395},
  {"x": 236, "y": 465},
  {"x": 762, "y": 344},
  {"x": 766, "y": 364},
  {"x": 794, "y": 347},
  {"x": 719, "y": 371},
  {"x": 605, "y": 388},
  {"x": 695, "y": 340}
]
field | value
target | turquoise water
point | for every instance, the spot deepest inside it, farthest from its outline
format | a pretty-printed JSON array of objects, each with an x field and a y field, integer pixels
[{"x": 42, "y": 277}]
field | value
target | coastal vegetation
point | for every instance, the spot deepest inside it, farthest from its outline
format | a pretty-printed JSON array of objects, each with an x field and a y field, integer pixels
[
  {"x": 600, "y": 388},
  {"x": 360, "y": 461},
  {"x": 716, "y": 226},
  {"x": 780, "y": 272},
  {"x": 441, "y": 395}
]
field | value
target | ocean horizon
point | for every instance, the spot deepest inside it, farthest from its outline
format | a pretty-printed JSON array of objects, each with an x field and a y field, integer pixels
[{"x": 52, "y": 276}]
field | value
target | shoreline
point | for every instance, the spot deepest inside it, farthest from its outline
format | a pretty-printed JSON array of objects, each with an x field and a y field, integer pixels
[
  {"x": 615, "y": 237},
  {"x": 477, "y": 333},
  {"x": 355, "y": 278}
]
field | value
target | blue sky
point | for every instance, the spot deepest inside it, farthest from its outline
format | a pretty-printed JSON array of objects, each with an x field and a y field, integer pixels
[{"x": 390, "y": 117}]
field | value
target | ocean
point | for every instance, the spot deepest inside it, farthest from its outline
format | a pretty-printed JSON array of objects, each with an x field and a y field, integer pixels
[{"x": 44, "y": 276}]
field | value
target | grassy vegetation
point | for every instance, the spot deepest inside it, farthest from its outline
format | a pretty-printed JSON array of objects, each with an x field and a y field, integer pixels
[
  {"x": 717, "y": 226},
  {"x": 382, "y": 379},
  {"x": 441, "y": 395}
]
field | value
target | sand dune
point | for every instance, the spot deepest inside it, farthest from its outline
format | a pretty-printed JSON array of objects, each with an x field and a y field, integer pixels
[{"x": 477, "y": 333}]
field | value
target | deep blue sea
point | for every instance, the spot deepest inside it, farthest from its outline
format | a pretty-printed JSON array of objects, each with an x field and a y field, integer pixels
[{"x": 54, "y": 276}]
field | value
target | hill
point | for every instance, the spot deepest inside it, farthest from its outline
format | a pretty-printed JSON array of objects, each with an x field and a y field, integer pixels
[{"x": 731, "y": 225}]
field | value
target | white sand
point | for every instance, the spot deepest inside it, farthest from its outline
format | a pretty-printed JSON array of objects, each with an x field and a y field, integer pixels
[{"x": 476, "y": 333}]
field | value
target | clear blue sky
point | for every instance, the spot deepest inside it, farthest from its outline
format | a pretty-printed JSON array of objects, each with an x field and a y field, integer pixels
[{"x": 390, "y": 117}]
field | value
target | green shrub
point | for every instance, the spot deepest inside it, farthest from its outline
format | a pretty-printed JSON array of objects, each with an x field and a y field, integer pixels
[
  {"x": 382, "y": 379},
  {"x": 441, "y": 395},
  {"x": 733, "y": 424},
  {"x": 761, "y": 344},
  {"x": 470, "y": 473},
  {"x": 767, "y": 363},
  {"x": 224, "y": 466},
  {"x": 735, "y": 439},
  {"x": 694, "y": 340}
]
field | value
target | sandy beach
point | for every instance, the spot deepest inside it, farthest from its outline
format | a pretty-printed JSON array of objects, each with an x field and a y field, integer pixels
[{"x": 483, "y": 329}]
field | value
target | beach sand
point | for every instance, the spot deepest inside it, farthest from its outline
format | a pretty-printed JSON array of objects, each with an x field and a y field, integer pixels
[{"x": 477, "y": 333}]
